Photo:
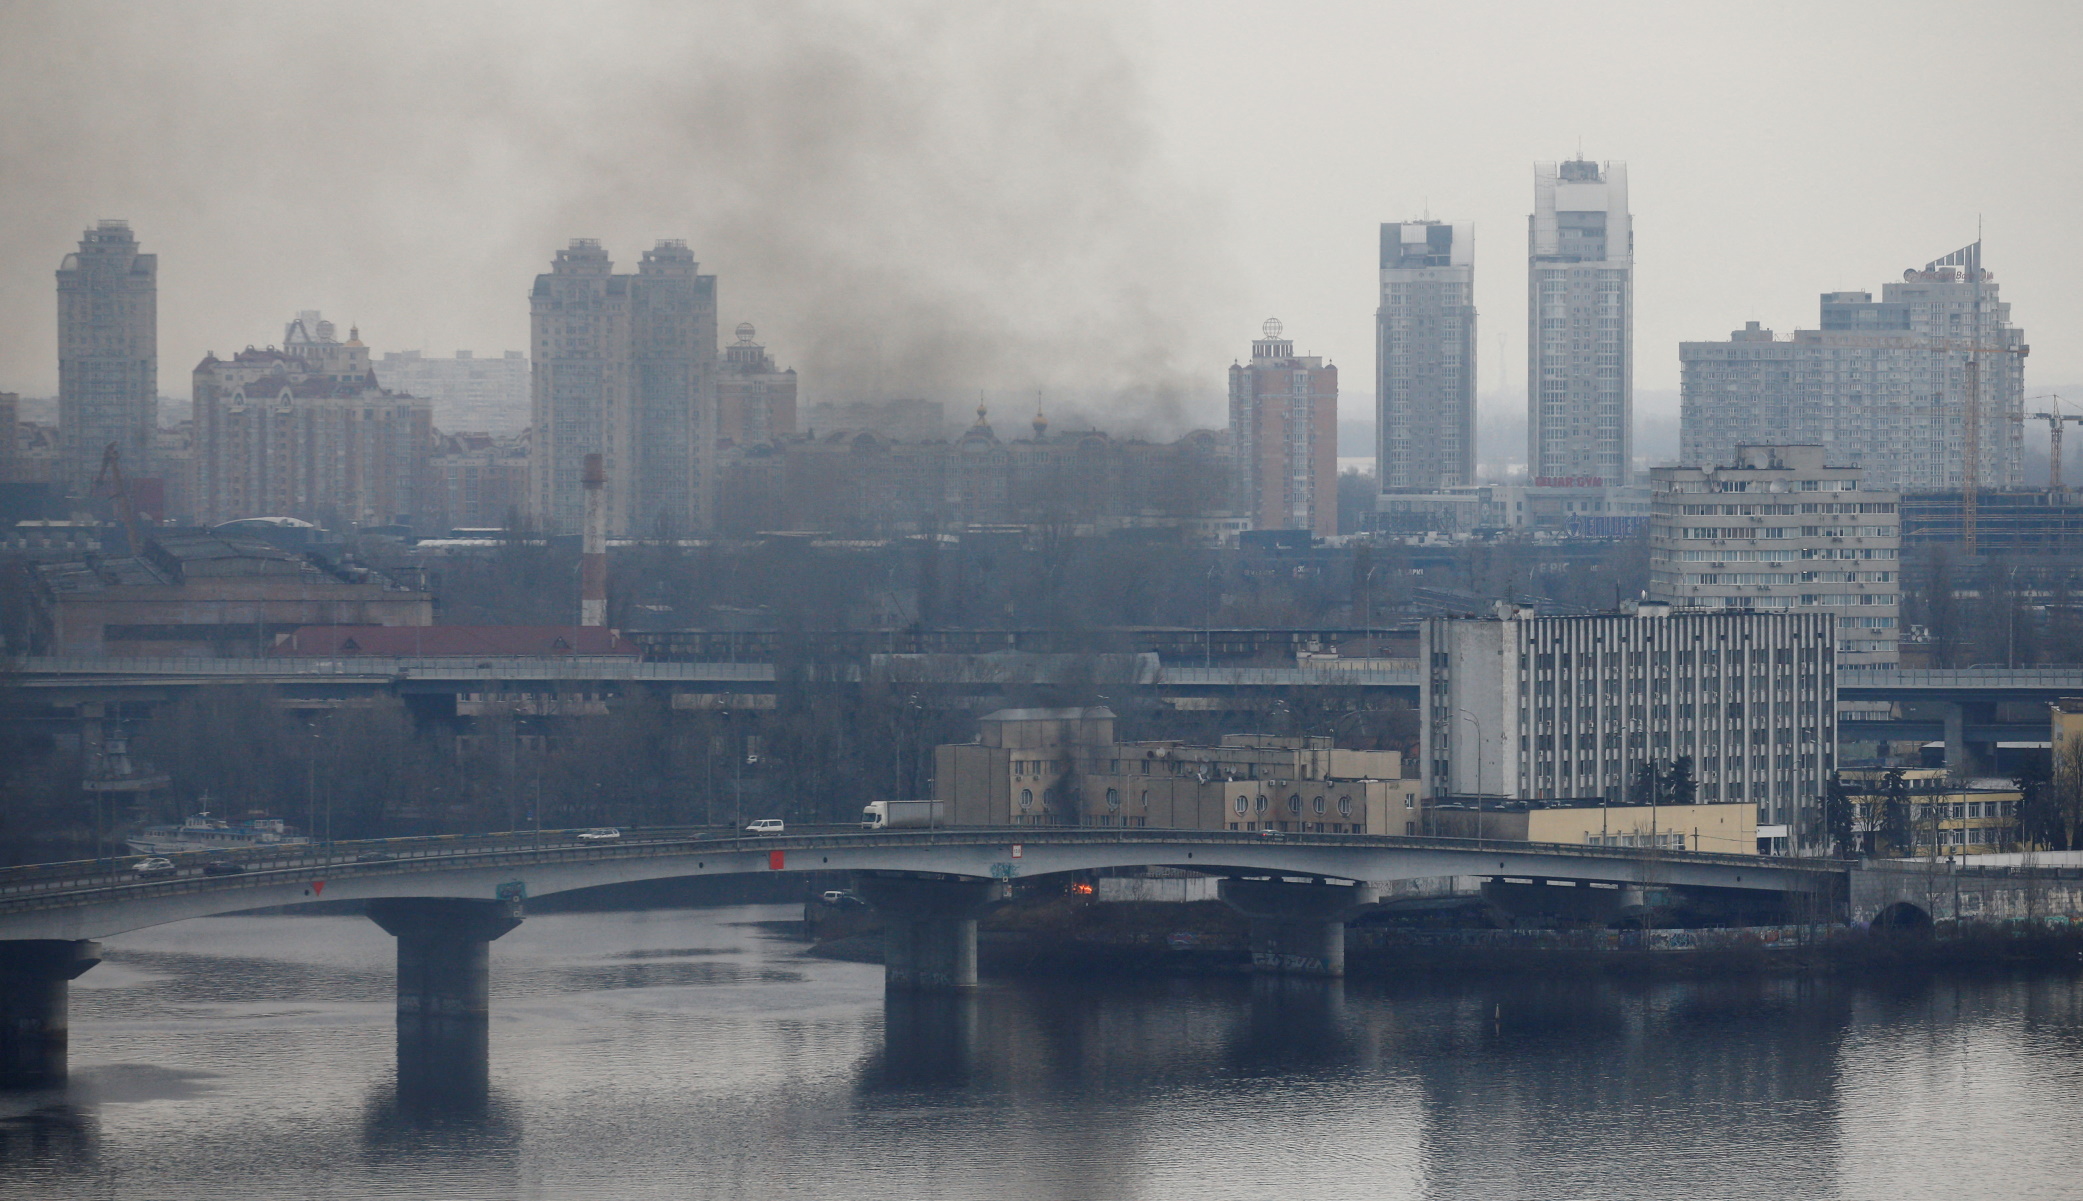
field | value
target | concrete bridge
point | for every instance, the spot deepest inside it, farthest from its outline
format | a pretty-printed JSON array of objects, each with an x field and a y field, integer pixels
[{"x": 447, "y": 900}]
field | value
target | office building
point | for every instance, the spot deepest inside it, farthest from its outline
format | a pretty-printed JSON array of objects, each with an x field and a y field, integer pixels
[
  {"x": 108, "y": 355},
  {"x": 754, "y": 402},
  {"x": 1528, "y": 708},
  {"x": 469, "y": 393},
  {"x": 1882, "y": 385},
  {"x": 1580, "y": 314},
  {"x": 1284, "y": 432},
  {"x": 625, "y": 368},
  {"x": 1064, "y": 767},
  {"x": 305, "y": 431},
  {"x": 1425, "y": 357},
  {"x": 1773, "y": 529}
]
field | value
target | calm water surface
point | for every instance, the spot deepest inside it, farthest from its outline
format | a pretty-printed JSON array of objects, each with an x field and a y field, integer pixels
[{"x": 687, "y": 1053}]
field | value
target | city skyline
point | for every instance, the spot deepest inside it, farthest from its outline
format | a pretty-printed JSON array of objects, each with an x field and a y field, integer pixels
[{"x": 944, "y": 263}]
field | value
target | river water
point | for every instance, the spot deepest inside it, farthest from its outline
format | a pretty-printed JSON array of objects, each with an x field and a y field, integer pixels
[{"x": 693, "y": 1053}]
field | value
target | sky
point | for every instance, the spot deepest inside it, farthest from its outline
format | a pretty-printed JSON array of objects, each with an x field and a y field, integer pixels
[{"x": 1086, "y": 206}]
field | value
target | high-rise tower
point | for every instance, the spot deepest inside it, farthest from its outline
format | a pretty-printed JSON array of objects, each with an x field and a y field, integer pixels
[
  {"x": 108, "y": 354},
  {"x": 1580, "y": 325},
  {"x": 1425, "y": 357},
  {"x": 625, "y": 368},
  {"x": 1284, "y": 432}
]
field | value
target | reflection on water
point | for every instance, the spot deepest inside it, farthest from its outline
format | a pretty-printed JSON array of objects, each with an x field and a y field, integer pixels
[{"x": 688, "y": 1053}]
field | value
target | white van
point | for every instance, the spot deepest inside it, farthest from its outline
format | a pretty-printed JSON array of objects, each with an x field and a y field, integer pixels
[{"x": 765, "y": 825}]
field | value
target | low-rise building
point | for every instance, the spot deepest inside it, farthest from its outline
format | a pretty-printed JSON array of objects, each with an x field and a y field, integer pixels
[
  {"x": 1924, "y": 811},
  {"x": 1042, "y": 767},
  {"x": 1731, "y": 829}
]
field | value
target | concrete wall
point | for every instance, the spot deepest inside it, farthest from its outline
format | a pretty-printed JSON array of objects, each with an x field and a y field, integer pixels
[{"x": 1944, "y": 893}]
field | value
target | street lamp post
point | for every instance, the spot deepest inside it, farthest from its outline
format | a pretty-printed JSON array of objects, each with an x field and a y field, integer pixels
[{"x": 1477, "y": 722}]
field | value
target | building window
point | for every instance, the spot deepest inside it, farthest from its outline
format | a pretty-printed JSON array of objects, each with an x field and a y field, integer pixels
[
  {"x": 1026, "y": 798},
  {"x": 1294, "y": 804},
  {"x": 1258, "y": 804},
  {"x": 1317, "y": 804},
  {"x": 1113, "y": 798},
  {"x": 1243, "y": 803},
  {"x": 1345, "y": 806}
]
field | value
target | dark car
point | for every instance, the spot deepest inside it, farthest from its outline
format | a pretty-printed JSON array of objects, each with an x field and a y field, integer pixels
[{"x": 222, "y": 867}]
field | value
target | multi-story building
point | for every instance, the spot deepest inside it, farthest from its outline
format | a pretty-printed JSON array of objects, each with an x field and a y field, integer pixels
[
  {"x": 1284, "y": 433},
  {"x": 1775, "y": 529},
  {"x": 1425, "y": 357},
  {"x": 625, "y": 368},
  {"x": 1883, "y": 385},
  {"x": 305, "y": 431},
  {"x": 480, "y": 481},
  {"x": 1043, "y": 767},
  {"x": 1523, "y": 707},
  {"x": 108, "y": 355},
  {"x": 1926, "y": 811},
  {"x": 469, "y": 393},
  {"x": 754, "y": 402},
  {"x": 1580, "y": 313}
]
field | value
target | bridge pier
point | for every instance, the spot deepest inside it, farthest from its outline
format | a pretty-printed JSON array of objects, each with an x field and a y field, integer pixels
[
  {"x": 36, "y": 975},
  {"x": 1296, "y": 929},
  {"x": 444, "y": 958},
  {"x": 928, "y": 928}
]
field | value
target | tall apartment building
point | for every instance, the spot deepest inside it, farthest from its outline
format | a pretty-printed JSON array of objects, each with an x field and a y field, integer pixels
[
  {"x": 305, "y": 431},
  {"x": 1284, "y": 432},
  {"x": 1529, "y": 708},
  {"x": 108, "y": 354},
  {"x": 1882, "y": 385},
  {"x": 1775, "y": 529},
  {"x": 1580, "y": 317},
  {"x": 754, "y": 402},
  {"x": 469, "y": 393},
  {"x": 1425, "y": 357},
  {"x": 625, "y": 367}
]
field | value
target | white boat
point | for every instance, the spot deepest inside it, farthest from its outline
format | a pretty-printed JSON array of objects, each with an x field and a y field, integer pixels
[{"x": 202, "y": 832}]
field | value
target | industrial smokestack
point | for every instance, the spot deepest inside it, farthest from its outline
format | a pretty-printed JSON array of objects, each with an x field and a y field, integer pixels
[{"x": 593, "y": 556}]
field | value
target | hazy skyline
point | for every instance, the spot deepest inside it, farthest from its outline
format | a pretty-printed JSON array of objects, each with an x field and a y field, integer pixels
[{"x": 1098, "y": 201}]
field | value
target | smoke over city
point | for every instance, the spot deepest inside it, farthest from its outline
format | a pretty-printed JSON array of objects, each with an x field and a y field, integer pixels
[{"x": 904, "y": 201}]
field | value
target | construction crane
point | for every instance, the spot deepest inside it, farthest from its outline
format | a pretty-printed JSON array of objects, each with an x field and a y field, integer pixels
[
  {"x": 2055, "y": 420},
  {"x": 126, "y": 506}
]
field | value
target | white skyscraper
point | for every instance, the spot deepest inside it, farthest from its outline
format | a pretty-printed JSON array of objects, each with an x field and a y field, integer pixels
[
  {"x": 1580, "y": 326},
  {"x": 1425, "y": 357}
]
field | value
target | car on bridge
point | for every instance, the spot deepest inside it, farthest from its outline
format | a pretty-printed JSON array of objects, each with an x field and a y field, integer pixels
[
  {"x": 600, "y": 834},
  {"x": 765, "y": 825},
  {"x": 154, "y": 865}
]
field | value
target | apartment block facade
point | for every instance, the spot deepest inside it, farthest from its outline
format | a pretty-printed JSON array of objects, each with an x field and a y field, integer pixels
[
  {"x": 1523, "y": 707},
  {"x": 1882, "y": 385},
  {"x": 305, "y": 431},
  {"x": 1774, "y": 529},
  {"x": 1284, "y": 433},
  {"x": 469, "y": 393},
  {"x": 1425, "y": 357},
  {"x": 108, "y": 355},
  {"x": 755, "y": 403},
  {"x": 1580, "y": 326},
  {"x": 624, "y": 367}
]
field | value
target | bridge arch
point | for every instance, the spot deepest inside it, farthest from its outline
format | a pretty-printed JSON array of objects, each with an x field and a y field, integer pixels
[{"x": 1902, "y": 917}]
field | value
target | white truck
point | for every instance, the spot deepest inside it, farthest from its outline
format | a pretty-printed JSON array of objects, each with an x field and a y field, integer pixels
[{"x": 891, "y": 815}]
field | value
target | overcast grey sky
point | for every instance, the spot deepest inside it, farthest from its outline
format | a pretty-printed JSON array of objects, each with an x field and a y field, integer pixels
[{"x": 1098, "y": 200}]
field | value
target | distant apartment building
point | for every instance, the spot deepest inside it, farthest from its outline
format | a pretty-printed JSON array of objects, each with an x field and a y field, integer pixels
[
  {"x": 1927, "y": 811},
  {"x": 10, "y": 433},
  {"x": 754, "y": 402},
  {"x": 859, "y": 483},
  {"x": 1064, "y": 767},
  {"x": 1882, "y": 385},
  {"x": 469, "y": 393},
  {"x": 305, "y": 431},
  {"x": 625, "y": 367},
  {"x": 480, "y": 480},
  {"x": 1529, "y": 708},
  {"x": 1425, "y": 357},
  {"x": 1284, "y": 433},
  {"x": 1774, "y": 529},
  {"x": 1580, "y": 326},
  {"x": 108, "y": 355}
]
